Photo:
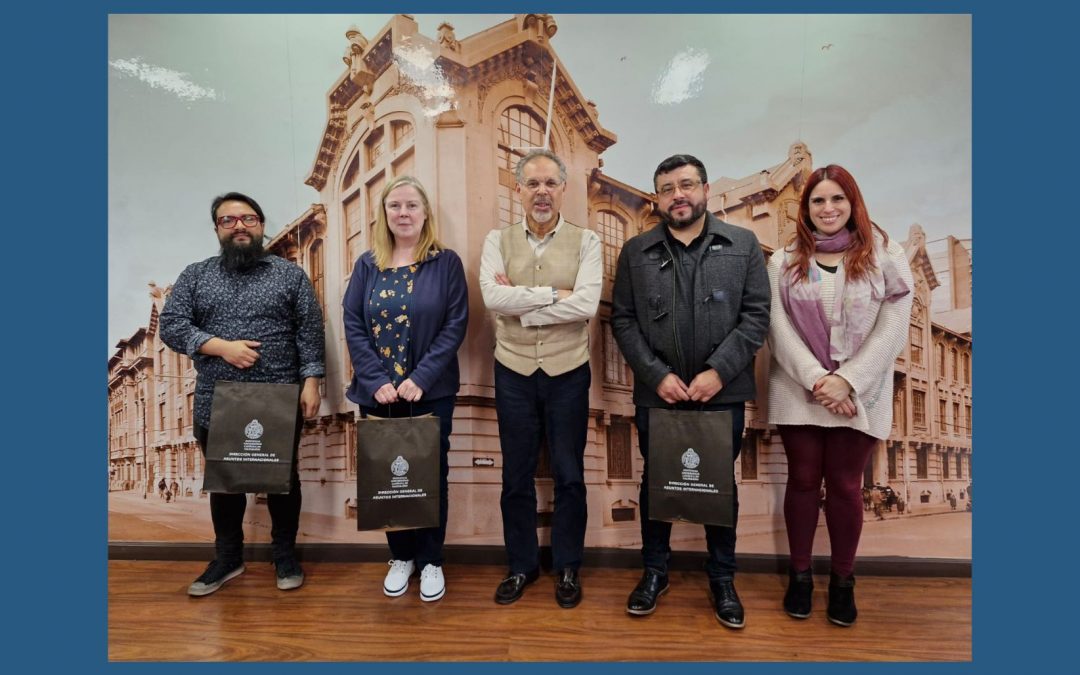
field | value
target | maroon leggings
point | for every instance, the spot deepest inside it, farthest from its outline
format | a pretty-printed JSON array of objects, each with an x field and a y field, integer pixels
[{"x": 837, "y": 454}]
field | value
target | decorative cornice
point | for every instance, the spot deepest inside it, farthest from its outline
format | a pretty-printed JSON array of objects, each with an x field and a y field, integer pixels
[
  {"x": 379, "y": 56},
  {"x": 524, "y": 61},
  {"x": 309, "y": 226},
  {"x": 153, "y": 323},
  {"x": 506, "y": 65},
  {"x": 918, "y": 259},
  {"x": 331, "y": 146},
  {"x": 601, "y": 184}
]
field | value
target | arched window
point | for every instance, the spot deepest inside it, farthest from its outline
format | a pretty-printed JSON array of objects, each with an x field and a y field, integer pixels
[
  {"x": 351, "y": 173},
  {"x": 612, "y": 230},
  {"x": 519, "y": 131},
  {"x": 386, "y": 151},
  {"x": 375, "y": 146},
  {"x": 403, "y": 132},
  {"x": 354, "y": 219}
]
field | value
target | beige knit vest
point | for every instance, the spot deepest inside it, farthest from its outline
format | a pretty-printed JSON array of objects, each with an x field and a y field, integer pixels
[{"x": 555, "y": 348}]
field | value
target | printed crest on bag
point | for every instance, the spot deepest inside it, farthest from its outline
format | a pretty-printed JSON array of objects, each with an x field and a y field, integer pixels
[
  {"x": 253, "y": 447},
  {"x": 690, "y": 460},
  {"x": 253, "y": 430},
  {"x": 399, "y": 467}
]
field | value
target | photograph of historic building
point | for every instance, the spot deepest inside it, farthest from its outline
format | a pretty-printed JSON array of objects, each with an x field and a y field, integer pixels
[{"x": 457, "y": 112}]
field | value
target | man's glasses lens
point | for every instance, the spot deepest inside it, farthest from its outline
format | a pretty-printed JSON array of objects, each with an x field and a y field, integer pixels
[
  {"x": 684, "y": 186},
  {"x": 229, "y": 222}
]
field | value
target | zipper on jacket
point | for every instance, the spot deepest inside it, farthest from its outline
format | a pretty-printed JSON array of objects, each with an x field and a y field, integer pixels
[{"x": 674, "y": 311}]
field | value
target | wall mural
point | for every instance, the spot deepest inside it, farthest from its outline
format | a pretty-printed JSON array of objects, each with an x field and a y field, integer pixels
[{"x": 311, "y": 115}]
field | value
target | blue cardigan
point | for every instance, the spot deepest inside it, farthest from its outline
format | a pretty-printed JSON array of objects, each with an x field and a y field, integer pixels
[{"x": 438, "y": 317}]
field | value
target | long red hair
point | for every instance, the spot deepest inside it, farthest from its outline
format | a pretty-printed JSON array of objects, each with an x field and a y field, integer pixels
[{"x": 860, "y": 257}]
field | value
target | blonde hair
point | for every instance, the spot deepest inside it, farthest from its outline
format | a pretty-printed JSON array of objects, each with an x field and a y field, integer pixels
[{"x": 382, "y": 239}]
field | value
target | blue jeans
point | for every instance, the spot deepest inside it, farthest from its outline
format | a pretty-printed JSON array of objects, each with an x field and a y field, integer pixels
[
  {"x": 656, "y": 534},
  {"x": 423, "y": 545},
  {"x": 558, "y": 407},
  {"x": 227, "y": 510}
]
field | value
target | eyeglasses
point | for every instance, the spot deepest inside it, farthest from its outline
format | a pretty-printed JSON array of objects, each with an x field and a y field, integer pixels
[
  {"x": 534, "y": 185},
  {"x": 229, "y": 222},
  {"x": 684, "y": 186}
]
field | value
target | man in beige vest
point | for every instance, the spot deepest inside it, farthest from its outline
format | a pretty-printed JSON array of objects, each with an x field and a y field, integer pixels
[{"x": 542, "y": 278}]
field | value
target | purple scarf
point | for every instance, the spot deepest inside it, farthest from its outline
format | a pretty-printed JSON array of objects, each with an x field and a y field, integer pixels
[{"x": 834, "y": 342}]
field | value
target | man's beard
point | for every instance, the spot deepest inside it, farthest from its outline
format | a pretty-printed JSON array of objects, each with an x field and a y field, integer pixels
[
  {"x": 241, "y": 257},
  {"x": 696, "y": 211},
  {"x": 543, "y": 216}
]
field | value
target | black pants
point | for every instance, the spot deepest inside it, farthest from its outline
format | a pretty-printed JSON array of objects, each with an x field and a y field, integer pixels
[
  {"x": 656, "y": 534},
  {"x": 227, "y": 510},
  {"x": 558, "y": 406}
]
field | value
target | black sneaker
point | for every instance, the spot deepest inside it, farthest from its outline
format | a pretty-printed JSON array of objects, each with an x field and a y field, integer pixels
[
  {"x": 289, "y": 574},
  {"x": 215, "y": 576}
]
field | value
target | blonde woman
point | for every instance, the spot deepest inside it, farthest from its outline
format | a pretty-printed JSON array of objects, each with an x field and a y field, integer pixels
[{"x": 405, "y": 314}]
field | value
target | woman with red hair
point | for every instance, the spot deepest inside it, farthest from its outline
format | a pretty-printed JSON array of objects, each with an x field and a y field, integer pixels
[{"x": 841, "y": 305}]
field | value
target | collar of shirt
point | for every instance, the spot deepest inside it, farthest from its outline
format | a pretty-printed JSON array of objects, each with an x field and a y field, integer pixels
[
  {"x": 532, "y": 237},
  {"x": 694, "y": 244}
]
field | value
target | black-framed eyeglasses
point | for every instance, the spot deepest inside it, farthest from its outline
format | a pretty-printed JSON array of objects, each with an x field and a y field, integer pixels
[
  {"x": 684, "y": 186},
  {"x": 229, "y": 222}
]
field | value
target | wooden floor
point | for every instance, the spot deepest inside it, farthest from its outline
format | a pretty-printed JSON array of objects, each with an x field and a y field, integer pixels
[{"x": 340, "y": 614}]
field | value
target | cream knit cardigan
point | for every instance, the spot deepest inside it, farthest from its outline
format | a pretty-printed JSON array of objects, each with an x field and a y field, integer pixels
[{"x": 793, "y": 370}]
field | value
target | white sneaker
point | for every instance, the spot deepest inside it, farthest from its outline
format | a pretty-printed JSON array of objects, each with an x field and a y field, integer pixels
[
  {"x": 397, "y": 579},
  {"x": 432, "y": 583}
]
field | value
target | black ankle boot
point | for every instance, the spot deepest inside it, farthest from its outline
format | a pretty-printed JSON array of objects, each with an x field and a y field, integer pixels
[
  {"x": 800, "y": 593},
  {"x": 842, "y": 610}
]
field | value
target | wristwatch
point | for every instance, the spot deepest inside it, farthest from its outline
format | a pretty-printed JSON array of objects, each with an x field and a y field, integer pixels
[{"x": 554, "y": 295}]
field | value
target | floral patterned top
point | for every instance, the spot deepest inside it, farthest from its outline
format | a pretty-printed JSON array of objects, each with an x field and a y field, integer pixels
[{"x": 389, "y": 311}]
